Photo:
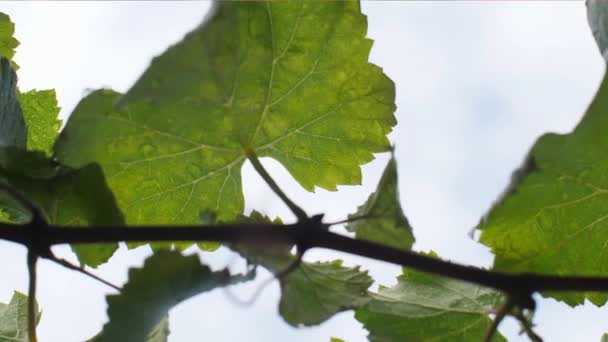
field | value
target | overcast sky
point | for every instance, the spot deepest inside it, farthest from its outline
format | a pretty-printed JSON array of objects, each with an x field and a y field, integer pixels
[{"x": 477, "y": 83}]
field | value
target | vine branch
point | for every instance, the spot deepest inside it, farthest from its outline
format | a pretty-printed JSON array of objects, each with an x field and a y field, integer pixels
[{"x": 308, "y": 234}]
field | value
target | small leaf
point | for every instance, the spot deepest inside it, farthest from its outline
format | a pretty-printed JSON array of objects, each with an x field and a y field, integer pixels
[
  {"x": 424, "y": 307},
  {"x": 166, "y": 279},
  {"x": 604, "y": 338},
  {"x": 553, "y": 218},
  {"x": 335, "y": 339},
  {"x": 64, "y": 195},
  {"x": 13, "y": 319},
  {"x": 12, "y": 125},
  {"x": 40, "y": 111},
  {"x": 381, "y": 218},
  {"x": 288, "y": 80},
  {"x": 8, "y": 43}
]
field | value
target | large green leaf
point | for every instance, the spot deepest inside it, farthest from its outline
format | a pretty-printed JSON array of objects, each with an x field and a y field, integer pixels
[
  {"x": 8, "y": 43},
  {"x": 285, "y": 79},
  {"x": 381, "y": 218},
  {"x": 166, "y": 279},
  {"x": 40, "y": 111},
  {"x": 424, "y": 307},
  {"x": 13, "y": 319},
  {"x": 12, "y": 125},
  {"x": 553, "y": 218},
  {"x": 65, "y": 196},
  {"x": 314, "y": 291}
]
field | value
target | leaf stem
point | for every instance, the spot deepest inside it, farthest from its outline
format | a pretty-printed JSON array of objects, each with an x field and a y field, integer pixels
[
  {"x": 73, "y": 267},
  {"x": 500, "y": 316},
  {"x": 295, "y": 209},
  {"x": 32, "y": 258}
]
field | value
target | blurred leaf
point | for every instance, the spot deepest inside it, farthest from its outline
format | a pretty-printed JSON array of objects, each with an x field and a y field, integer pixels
[
  {"x": 13, "y": 319},
  {"x": 65, "y": 196},
  {"x": 314, "y": 291},
  {"x": 8, "y": 43},
  {"x": 166, "y": 279},
  {"x": 12, "y": 125},
  {"x": 597, "y": 16}
]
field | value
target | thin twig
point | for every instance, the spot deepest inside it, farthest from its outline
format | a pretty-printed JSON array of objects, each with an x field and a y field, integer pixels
[
  {"x": 32, "y": 313},
  {"x": 295, "y": 209},
  {"x": 500, "y": 316},
  {"x": 526, "y": 325},
  {"x": 81, "y": 270},
  {"x": 277, "y": 276},
  {"x": 352, "y": 219}
]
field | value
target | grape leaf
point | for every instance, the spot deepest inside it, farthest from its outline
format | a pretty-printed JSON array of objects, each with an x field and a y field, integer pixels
[
  {"x": 288, "y": 80},
  {"x": 40, "y": 111},
  {"x": 12, "y": 125},
  {"x": 166, "y": 279},
  {"x": 65, "y": 196},
  {"x": 8, "y": 43},
  {"x": 425, "y": 307},
  {"x": 314, "y": 291},
  {"x": 553, "y": 218},
  {"x": 13, "y": 319},
  {"x": 381, "y": 218}
]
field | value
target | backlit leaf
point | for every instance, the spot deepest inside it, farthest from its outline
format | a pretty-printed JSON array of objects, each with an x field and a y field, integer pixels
[
  {"x": 553, "y": 219},
  {"x": 287, "y": 79},
  {"x": 65, "y": 196},
  {"x": 166, "y": 279}
]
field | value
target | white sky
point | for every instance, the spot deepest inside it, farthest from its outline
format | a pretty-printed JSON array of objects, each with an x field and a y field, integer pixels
[{"x": 476, "y": 84}]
